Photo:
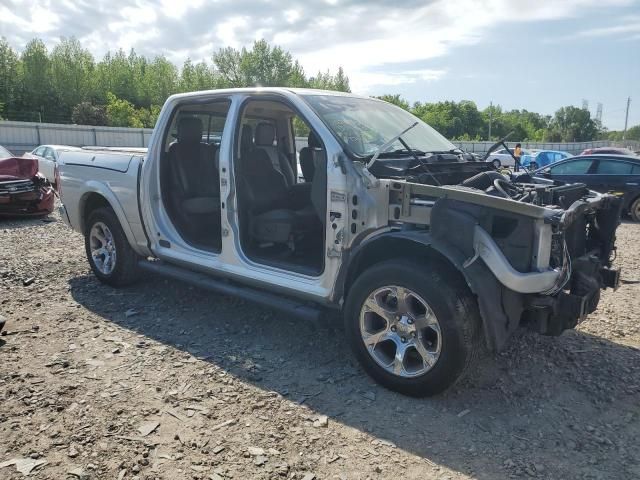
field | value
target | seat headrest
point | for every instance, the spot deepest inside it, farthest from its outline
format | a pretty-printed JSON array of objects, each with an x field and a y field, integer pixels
[
  {"x": 313, "y": 141},
  {"x": 265, "y": 134},
  {"x": 189, "y": 130}
]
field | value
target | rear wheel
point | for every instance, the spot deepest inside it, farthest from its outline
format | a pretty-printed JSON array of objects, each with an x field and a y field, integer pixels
[
  {"x": 414, "y": 330},
  {"x": 496, "y": 163},
  {"x": 111, "y": 257},
  {"x": 634, "y": 211}
]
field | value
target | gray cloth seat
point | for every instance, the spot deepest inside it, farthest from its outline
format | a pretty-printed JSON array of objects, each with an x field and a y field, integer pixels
[
  {"x": 272, "y": 216},
  {"x": 194, "y": 170},
  {"x": 265, "y": 136}
]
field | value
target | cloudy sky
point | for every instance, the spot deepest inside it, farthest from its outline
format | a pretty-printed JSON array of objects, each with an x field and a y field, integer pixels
[{"x": 533, "y": 54}]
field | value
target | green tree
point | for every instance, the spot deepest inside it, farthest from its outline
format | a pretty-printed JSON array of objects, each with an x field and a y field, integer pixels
[
  {"x": 396, "y": 99},
  {"x": 71, "y": 74},
  {"x": 341, "y": 81},
  {"x": 121, "y": 113},
  {"x": 453, "y": 119},
  {"x": 158, "y": 81},
  {"x": 10, "y": 76},
  {"x": 573, "y": 124},
  {"x": 633, "y": 133},
  {"x": 115, "y": 74},
  {"x": 87, "y": 114},
  {"x": 36, "y": 83}
]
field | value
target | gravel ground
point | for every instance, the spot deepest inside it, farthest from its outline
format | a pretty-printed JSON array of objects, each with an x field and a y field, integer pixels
[{"x": 164, "y": 381}]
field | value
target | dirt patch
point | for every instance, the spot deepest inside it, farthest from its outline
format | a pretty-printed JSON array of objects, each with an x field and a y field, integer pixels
[{"x": 165, "y": 381}]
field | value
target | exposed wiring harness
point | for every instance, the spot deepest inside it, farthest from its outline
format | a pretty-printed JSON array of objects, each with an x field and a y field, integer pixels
[{"x": 565, "y": 272}]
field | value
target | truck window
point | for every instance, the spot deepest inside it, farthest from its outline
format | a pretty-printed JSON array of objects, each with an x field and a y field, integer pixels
[{"x": 189, "y": 173}]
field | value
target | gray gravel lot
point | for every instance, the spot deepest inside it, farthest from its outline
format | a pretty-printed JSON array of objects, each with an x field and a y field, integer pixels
[{"x": 164, "y": 381}]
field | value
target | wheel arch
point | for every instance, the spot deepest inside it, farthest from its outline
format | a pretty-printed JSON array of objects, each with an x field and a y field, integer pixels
[
  {"x": 389, "y": 246},
  {"x": 422, "y": 247},
  {"x": 634, "y": 197},
  {"x": 97, "y": 196}
]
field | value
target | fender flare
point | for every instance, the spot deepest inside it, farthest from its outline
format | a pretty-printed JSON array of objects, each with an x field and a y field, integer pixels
[
  {"x": 95, "y": 187},
  {"x": 493, "y": 298}
]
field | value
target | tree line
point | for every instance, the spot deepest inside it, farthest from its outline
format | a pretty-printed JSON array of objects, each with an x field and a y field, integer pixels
[
  {"x": 464, "y": 121},
  {"x": 67, "y": 84}
]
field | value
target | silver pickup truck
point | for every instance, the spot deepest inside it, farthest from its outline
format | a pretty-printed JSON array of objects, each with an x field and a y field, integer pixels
[{"x": 429, "y": 255}]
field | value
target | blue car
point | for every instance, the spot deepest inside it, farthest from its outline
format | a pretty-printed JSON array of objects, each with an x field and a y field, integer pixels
[{"x": 542, "y": 158}]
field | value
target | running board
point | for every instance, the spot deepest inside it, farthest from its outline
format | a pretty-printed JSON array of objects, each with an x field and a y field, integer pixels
[{"x": 225, "y": 287}]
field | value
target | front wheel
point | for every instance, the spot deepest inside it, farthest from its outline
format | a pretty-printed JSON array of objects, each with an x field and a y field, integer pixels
[
  {"x": 111, "y": 257},
  {"x": 634, "y": 211},
  {"x": 414, "y": 330},
  {"x": 496, "y": 163}
]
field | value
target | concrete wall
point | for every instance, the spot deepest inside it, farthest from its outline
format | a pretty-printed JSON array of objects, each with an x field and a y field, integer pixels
[
  {"x": 574, "y": 147},
  {"x": 20, "y": 137}
]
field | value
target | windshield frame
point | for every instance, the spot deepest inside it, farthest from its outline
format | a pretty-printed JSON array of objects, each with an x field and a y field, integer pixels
[{"x": 345, "y": 146}]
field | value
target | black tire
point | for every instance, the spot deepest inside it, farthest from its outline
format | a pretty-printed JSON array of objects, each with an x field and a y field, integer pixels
[
  {"x": 496, "y": 163},
  {"x": 634, "y": 210},
  {"x": 452, "y": 303},
  {"x": 126, "y": 269}
]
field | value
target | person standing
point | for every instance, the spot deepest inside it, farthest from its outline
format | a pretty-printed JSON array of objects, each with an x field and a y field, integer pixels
[{"x": 517, "y": 152}]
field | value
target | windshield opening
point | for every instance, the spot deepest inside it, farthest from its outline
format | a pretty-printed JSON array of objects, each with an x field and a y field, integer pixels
[{"x": 364, "y": 125}]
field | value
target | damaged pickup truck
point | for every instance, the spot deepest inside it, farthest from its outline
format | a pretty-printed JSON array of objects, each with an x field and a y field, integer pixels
[{"x": 429, "y": 255}]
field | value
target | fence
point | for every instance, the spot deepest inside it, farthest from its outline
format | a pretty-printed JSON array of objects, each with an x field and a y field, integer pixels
[
  {"x": 572, "y": 147},
  {"x": 20, "y": 137}
]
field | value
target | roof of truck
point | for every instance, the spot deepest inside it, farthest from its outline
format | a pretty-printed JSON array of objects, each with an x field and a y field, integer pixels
[{"x": 295, "y": 91}]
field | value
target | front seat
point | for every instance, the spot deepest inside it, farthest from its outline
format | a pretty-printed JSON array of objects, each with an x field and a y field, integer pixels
[
  {"x": 272, "y": 216},
  {"x": 313, "y": 162},
  {"x": 196, "y": 180},
  {"x": 265, "y": 140}
]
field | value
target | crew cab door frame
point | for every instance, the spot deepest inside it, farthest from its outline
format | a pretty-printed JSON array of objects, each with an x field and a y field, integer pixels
[{"x": 166, "y": 244}]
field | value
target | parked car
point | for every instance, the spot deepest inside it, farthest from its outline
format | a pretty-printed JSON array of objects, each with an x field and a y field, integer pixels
[
  {"x": 426, "y": 254},
  {"x": 23, "y": 190},
  {"x": 607, "y": 150},
  {"x": 542, "y": 158},
  {"x": 616, "y": 174},
  {"x": 48, "y": 159},
  {"x": 502, "y": 158},
  {"x": 4, "y": 153}
]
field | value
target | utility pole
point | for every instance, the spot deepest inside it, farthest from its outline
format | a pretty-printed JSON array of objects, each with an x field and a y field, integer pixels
[
  {"x": 626, "y": 118},
  {"x": 491, "y": 117}
]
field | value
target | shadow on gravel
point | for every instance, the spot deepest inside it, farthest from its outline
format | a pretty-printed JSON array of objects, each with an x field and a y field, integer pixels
[{"x": 546, "y": 407}]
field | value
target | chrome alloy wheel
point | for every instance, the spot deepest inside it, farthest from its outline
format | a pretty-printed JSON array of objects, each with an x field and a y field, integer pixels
[
  {"x": 400, "y": 331},
  {"x": 103, "y": 248}
]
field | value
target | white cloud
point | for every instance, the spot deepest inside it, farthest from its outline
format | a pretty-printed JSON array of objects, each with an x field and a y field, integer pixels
[
  {"x": 609, "y": 31},
  {"x": 627, "y": 28},
  {"x": 374, "y": 40}
]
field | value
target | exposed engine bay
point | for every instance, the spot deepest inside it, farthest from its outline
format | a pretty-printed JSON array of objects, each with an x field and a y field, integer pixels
[
  {"x": 450, "y": 169},
  {"x": 549, "y": 245}
]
